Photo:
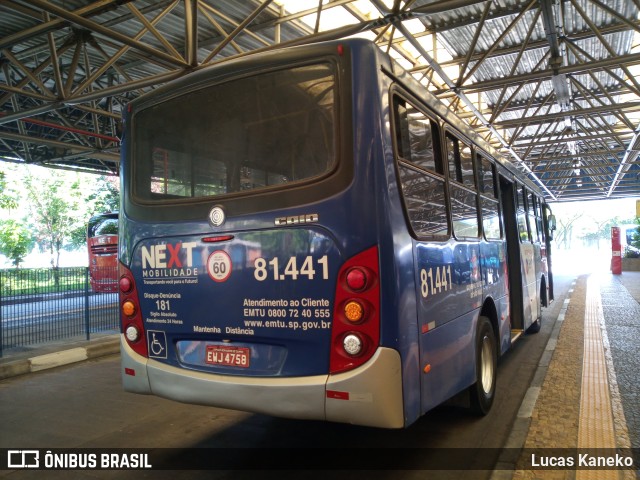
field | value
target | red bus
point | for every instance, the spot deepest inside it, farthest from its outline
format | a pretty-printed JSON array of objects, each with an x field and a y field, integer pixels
[{"x": 102, "y": 245}]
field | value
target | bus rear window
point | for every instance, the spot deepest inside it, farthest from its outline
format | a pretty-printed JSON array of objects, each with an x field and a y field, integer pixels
[{"x": 248, "y": 134}]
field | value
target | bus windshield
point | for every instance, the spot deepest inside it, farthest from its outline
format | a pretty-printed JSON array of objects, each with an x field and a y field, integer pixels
[
  {"x": 247, "y": 134},
  {"x": 102, "y": 225},
  {"x": 102, "y": 244}
]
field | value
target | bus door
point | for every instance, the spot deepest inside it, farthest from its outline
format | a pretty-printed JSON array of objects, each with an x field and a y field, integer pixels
[
  {"x": 507, "y": 197},
  {"x": 549, "y": 225}
]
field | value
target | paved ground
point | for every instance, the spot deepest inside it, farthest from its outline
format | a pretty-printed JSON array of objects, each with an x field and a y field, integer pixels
[
  {"x": 560, "y": 420},
  {"x": 622, "y": 318}
]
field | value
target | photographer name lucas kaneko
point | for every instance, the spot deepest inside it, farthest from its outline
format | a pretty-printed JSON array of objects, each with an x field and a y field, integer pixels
[{"x": 582, "y": 460}]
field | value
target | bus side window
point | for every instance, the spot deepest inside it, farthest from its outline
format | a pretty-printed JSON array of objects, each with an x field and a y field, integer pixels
[
  {"x": 489, "y": 205},
  {"x": 420, "y": 170},
  {"x": 531, "y": 214},
  {"x": 455, "y": 173},
  {"x": 523, "y": 230},
  {"x": 464, "y": 210},
  {"x": 539, "y": 221}
]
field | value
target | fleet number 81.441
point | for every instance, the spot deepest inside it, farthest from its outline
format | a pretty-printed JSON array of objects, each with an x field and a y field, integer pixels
[
  {"x": 291, "y": 270},
  {"x": 436, "y": 280}
]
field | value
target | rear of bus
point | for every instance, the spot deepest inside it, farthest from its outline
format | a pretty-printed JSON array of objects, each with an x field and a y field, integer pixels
[{"x": 249, "y": 251}]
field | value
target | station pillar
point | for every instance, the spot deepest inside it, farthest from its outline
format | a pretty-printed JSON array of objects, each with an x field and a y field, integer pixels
[{"x": 616, "y": 251}]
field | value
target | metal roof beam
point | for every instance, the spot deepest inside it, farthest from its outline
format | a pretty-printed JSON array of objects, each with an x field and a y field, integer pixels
[
  {"x": 487, "y": 85},
  {"x": 119, "y": 37},
  {"x": 51, "y": 25},
  {"x": 583, "y": 112}
]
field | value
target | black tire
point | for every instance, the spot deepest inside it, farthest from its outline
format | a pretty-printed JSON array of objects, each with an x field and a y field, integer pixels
[{"x": 483, "y": 391}]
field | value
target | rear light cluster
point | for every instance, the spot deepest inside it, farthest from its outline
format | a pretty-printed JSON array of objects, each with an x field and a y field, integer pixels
[
  {"x": 130, "y": 315},
  {"x": 355, "y": 334}
]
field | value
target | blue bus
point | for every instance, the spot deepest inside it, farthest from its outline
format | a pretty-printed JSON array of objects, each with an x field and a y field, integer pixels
[{"x": 308, "y": 233}]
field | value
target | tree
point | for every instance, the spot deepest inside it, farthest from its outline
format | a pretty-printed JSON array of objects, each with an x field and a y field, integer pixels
[
  {"x": 16, "y": 241},
  {"x": 564, "y": 233},
  {"x": 104, "y": 197},
  {"x": 635, "y": 240},
  {"x": 57, "y": 209},
  {"x": 7, "y": 200},
  {"x": 600, "y": 229}
]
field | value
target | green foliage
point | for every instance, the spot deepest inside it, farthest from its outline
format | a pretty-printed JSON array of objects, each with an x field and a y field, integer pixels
[
  {"x": 56, "y": 206},
  {"x": 7, "y": 200},
  {"x": 635, "y": 241},
  {"x": 105, "y": 196},
  {"x": 16, "y": 241},
  {"x": 60, "y": 205},
  {"x": 57, "y": 210},
  {"x": 29, "y": 281}
]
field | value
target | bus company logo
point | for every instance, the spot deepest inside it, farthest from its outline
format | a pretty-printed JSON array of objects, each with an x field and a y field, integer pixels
[
  {"x": 216, "y": 216},
  {"x": 168, "y": 260}
]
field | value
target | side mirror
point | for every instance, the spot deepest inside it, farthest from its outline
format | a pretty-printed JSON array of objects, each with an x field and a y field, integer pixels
[{"x": 552, "y": 222}]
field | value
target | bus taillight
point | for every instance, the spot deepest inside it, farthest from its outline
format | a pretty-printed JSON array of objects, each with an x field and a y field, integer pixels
[
  {"x": 354, "y": 311},
  {"x": 130, "y": 316},
  {"x": 356, "y": 279},
  {"x": 355, "y": 333},
  {"x": 125, "y": 284}
]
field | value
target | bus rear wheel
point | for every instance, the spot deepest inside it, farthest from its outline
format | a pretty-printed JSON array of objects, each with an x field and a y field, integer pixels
[{"x": 482, "y": 392}]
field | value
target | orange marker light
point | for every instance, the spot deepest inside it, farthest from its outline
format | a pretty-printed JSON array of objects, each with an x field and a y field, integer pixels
[
  {"x": 128, "y": 308},
  {"x": 354, "y": 311}
]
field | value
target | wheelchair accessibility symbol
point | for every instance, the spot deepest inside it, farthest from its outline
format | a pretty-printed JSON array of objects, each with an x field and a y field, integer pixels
[{"x": 157, "y": 344}]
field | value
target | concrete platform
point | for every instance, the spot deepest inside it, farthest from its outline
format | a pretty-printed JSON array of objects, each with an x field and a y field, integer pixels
[
  {"x": 43, "y": 357},
  {"x": 586, "y": 393}
]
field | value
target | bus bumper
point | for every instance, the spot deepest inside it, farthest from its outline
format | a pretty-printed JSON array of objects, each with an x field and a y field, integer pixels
[{"x": 370, "y": 395}]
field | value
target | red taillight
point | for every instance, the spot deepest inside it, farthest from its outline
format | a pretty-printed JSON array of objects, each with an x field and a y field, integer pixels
[
  {"x": 355, "y": 334},
  {"x": 219, "y": 238},
  {"x": 125, "y": 284},
  {"x": 356, "y": 279},
  {"x": 130, "y": 315}
]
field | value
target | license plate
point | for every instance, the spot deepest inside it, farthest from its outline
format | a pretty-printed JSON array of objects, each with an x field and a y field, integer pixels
[{"x": 228, "y": 356}]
